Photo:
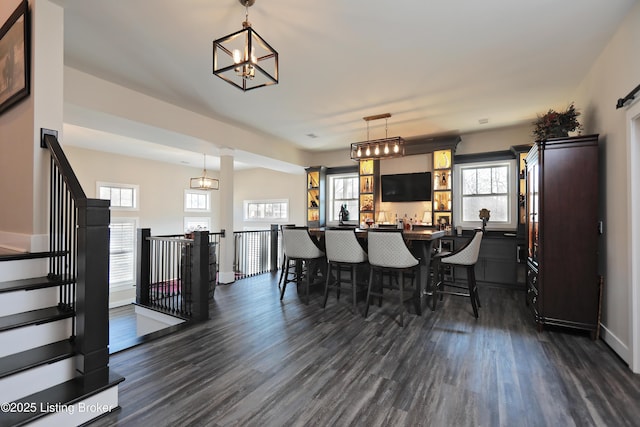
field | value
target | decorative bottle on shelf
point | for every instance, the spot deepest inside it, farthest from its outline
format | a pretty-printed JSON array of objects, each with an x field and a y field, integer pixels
[{"x": 443, "y": 163}]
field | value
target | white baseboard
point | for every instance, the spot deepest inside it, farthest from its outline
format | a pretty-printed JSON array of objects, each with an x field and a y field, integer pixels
[
  {"x": 616, "y": 344},
  {"x": 226, "y": 277},
  {"x": 24, "y": 242}
]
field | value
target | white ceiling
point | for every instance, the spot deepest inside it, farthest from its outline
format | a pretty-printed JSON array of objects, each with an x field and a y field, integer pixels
[{"x": 436, "y": 66}]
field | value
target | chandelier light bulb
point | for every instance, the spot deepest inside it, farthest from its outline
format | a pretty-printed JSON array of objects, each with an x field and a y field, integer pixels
[
  {"x": 359, "y": 152},
  {"x": 368, "y": 151},
  {"x": 386, "y": 148},
  {"x": 236, "y": 56},
  {"x": 396, "y": 148},
  {"x": 377, "y": 150}
]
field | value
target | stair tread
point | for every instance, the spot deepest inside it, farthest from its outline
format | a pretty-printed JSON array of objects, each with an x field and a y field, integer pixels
[
  {"x": 30, "y": 255},
  {"x": 33, "y": 317},
  {"x": 31, "y": 284},
  {"x": 34, "y": 357},
  {"x": 67, "y": 393}
]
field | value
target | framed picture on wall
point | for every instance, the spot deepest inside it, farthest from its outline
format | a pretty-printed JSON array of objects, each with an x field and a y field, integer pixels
[{"x": 14, "y": 58}]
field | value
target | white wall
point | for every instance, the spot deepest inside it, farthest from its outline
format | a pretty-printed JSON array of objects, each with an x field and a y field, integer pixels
[
  {"x": 263, "y": 184},
  {"x": 615, "y": 73},
  {"x": 495, "y": 139},
  {"x": 23, "y": 213},
  {"x": 162, "y": 187}
]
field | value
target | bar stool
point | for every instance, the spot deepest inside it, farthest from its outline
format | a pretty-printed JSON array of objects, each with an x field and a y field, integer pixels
[
  {"x": 301, "y": 248},
  {"x": 388, "y": 253},
  {"x": 466, "y": 257},
  {"x": 344, "y": 252},
  {"x": 285, "y": 261}
]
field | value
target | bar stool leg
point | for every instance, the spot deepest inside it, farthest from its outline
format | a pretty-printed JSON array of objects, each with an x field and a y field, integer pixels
[
  {"x": 326, "y": 286},
  {"x": 471, "y": 278},
  {"x": 401, "y": 285},
  {"x": 354, "y": 276},
  {"x": 366, "y": 309}
]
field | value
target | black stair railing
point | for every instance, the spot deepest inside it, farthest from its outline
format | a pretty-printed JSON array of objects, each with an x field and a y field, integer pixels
[
  {"x": 256, "y": 252},
  {"x": 79, "y": 228},
  {"x": 175, "y": 274}
]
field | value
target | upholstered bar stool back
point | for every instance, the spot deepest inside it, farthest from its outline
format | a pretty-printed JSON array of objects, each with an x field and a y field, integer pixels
[
  {"x": 388, "y": 253},
  {"x": 467, "y": 257},
  {"x": 344, "y": 252},
  {"x": 300, "y": 248}
]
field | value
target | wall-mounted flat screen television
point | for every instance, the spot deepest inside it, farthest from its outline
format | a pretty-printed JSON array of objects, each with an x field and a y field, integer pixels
[{"x": 406, "y": 187}]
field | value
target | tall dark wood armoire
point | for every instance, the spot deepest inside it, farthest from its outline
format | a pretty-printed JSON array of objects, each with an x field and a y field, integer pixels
[{"x": 563, "y": 286}]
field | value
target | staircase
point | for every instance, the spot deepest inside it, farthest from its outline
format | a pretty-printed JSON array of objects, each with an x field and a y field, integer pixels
[
  {"x": 54, "y": 322},
  {"x": 38, "y": 373}
]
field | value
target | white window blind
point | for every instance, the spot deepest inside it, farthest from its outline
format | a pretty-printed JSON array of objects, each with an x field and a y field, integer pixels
[{"x": 122, "y": 250}]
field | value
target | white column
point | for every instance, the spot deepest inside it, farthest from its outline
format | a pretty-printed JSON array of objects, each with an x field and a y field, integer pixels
[{"x": 225, "y": 266}]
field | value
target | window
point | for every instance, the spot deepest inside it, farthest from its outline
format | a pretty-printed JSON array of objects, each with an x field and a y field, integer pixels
[
  {"x": 343, "y": 189},
  {"x": 122, "y": 250},
  {"x": 122, "y": 196},
  {"x": 489, "y": 185},
  {"x": 266, "y": 210},
  {"x": 197, "y": 201},
  {"x": 196, "y": 223}
]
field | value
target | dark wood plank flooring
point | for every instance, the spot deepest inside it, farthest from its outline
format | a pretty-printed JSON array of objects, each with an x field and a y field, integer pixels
[
  {"x": 262, "y": 362},
  {"x": 122, "y": 325}
]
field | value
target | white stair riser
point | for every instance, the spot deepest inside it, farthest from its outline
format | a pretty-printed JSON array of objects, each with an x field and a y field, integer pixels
[
  {"x": 39, "y": 378},
  {"x": 81, "y": 412},
  {"x": 21, "y": 339},
  {"x": 20, "y": 301},
  {"x": 23, "y": 269}
]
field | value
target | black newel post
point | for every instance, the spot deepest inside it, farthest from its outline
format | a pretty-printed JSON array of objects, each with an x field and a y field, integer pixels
[
  {"x": 273, "y": 262},
  {"x": 92, "y": 303},
  {"x": 200, "y": 276},
  {"x": 143, "y": 266}
]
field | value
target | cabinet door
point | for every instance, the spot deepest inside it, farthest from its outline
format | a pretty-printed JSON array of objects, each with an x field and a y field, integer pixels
[{"x": 532, "y": 211}]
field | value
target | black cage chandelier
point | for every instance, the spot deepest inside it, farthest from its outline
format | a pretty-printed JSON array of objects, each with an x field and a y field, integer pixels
[
  {"x": 384, "y": 148},
  {"x": 245, "y": 59}
]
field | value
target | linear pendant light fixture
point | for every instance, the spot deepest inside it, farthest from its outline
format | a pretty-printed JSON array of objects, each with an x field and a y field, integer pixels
[
  {"x": 384, "y": 148},
  {"x": 204, "y": 182},
  {"x": 244, "y": 59}
]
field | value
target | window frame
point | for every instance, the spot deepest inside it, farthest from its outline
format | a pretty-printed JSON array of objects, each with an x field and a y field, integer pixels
[
  {"x": 189, "y": 219},
  {"x": 120, "y": 186},
  {"x": 188, "y": 192},
  {"x": 330, "y": 197},
  {"x": 269, "y": 219},
  {"x": 512, "y": 194}
]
